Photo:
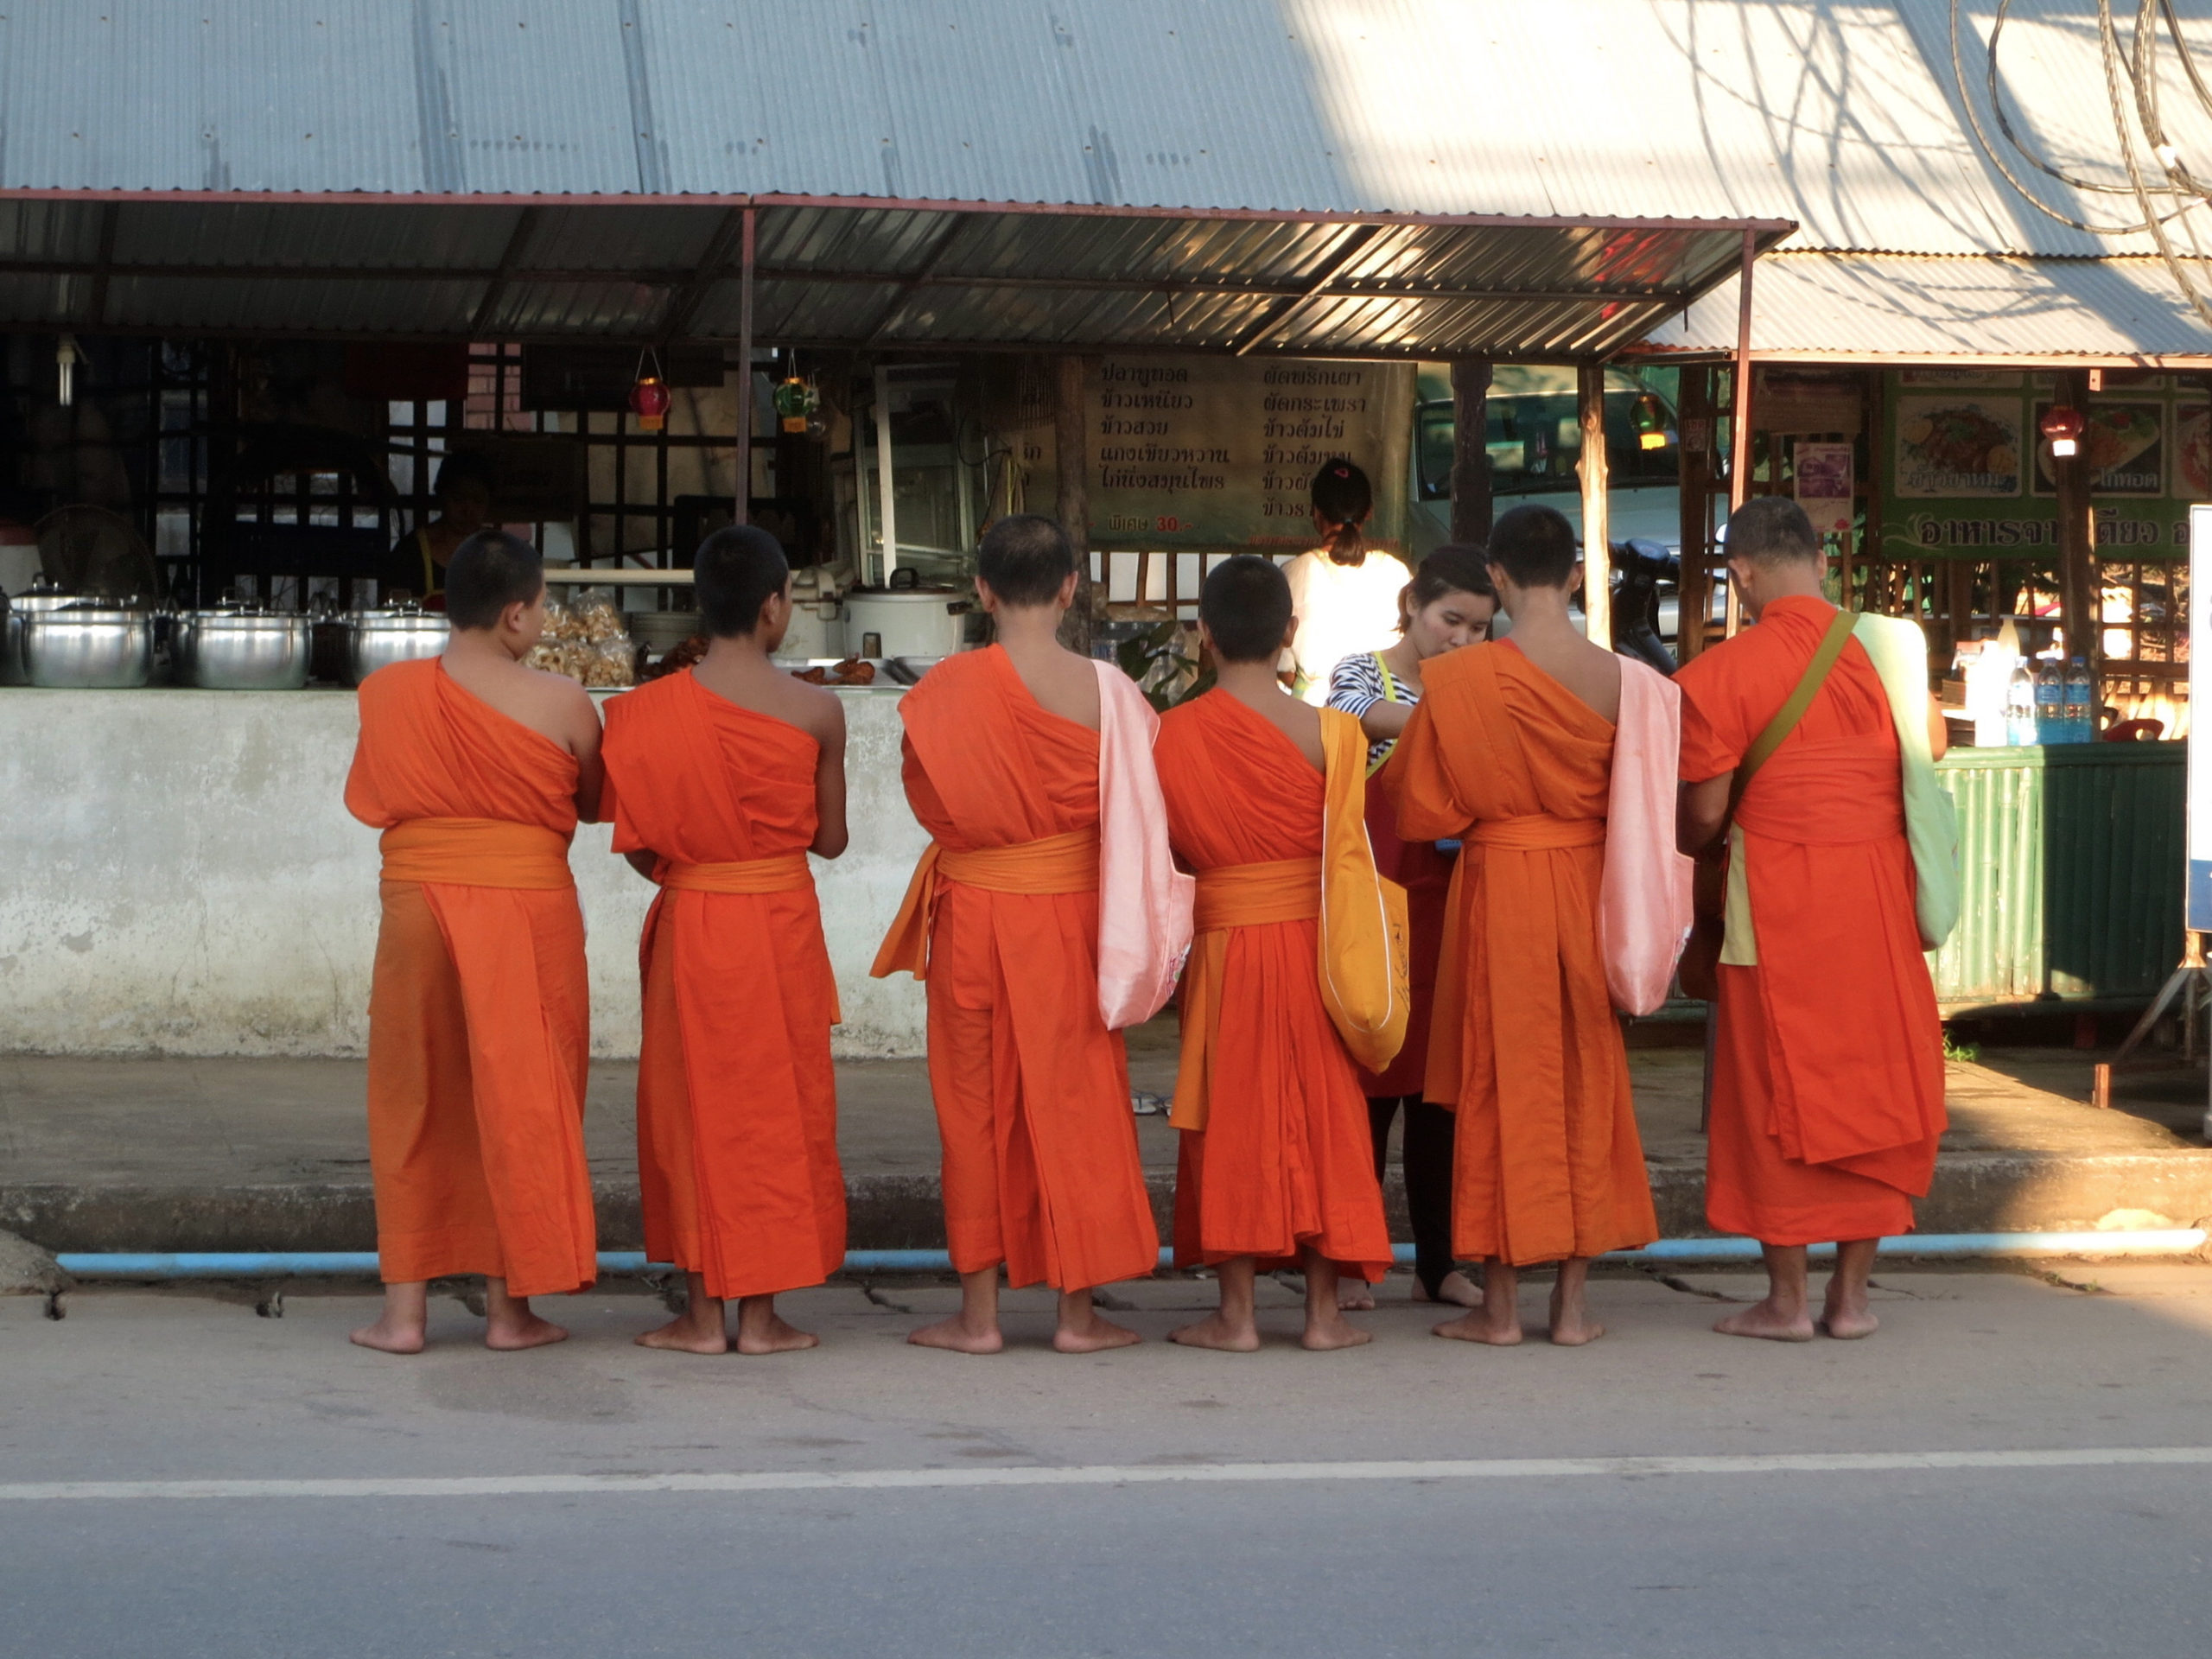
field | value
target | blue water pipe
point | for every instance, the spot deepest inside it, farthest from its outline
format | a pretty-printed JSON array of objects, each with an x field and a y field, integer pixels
[{"x": 300, "y": 1264}]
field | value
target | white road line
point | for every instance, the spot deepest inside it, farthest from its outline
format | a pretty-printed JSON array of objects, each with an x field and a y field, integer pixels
[{"x": 1800, "y": 1463}]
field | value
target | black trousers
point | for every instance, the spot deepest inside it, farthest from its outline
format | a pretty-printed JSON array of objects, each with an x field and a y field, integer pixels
[{"x": 1427, "y": 1161}]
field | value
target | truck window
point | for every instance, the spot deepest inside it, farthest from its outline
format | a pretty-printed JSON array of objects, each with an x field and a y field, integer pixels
[{"x": 1535, "y": 443}]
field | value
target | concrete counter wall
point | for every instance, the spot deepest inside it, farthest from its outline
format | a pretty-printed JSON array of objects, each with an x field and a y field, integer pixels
[{"x": 180, "y": 876}]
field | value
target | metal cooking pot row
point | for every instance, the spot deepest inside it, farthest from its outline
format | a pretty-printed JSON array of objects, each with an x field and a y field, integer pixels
[{"x": 71, "y": 642}]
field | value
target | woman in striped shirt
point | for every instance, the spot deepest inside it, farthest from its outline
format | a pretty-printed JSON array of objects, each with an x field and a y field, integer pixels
[{"x": 1448, "y": 604}]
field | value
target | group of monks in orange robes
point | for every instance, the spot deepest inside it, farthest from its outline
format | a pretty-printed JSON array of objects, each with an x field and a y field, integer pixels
[{"x": 722, "y": 779}]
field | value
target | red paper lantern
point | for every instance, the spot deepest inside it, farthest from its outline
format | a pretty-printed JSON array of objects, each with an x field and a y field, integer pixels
[
  {"x": 649, "y": 402},
  {"x": 2063, "y": 427}
]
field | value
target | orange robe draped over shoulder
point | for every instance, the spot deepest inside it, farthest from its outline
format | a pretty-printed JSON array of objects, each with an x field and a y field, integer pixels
[
  {"x": 479, "y": 1013},
  {"x": 1523, "y": 1044},
  {"x": 1827, "y": 1082},
  {"x": 1041, "y": 1169},
  {"x": 737, "y": 1100},
  {"x": 1286, "y": 1158}
]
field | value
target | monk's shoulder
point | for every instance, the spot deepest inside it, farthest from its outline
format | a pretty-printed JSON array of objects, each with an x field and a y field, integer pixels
[
  {"x": 643, "y": 706},
  {"x": 814, "y": 709},
  {"x": 396, "y": 684}
]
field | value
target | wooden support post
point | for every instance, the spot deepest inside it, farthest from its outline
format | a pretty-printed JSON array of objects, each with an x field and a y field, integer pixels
[
  {"x": 1694, "y": 468},
  {"x": 741, "y": 507},
  {"x": 1072, "y": 504},
  {"x": 2078, "y": 593},
  {"x": 1740, "y": 417},
  {"x": 1470, "y": 497},
  {"x": 1597, "y": 548}
]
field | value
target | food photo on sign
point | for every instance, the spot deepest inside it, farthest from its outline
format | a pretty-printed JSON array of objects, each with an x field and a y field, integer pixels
[
  {"x": 2124, "y": 443},
  {"x": 1949, "y": 447},
  {"x": 1826, "y": 480}
]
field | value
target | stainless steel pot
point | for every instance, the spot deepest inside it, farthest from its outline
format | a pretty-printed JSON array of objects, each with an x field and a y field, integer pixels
[
  {"x": 240, "y": 650},
  {"x": 376, "y": 639},
  {"x": 20, "y": 608},
  {"x": 88, "y": 647}
]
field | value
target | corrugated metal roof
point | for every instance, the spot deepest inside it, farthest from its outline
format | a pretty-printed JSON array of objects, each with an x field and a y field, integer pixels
[
  {"x": 1841, "y": 117},
  {"x": 1868, "y": 306}
]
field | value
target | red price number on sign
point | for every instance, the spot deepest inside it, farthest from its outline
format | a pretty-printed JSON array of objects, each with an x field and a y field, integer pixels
[{"x": 1167, "y": 522}]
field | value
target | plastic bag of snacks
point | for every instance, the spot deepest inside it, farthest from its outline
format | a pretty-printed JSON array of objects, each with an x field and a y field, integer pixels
[{"x": 612, "y": 662}]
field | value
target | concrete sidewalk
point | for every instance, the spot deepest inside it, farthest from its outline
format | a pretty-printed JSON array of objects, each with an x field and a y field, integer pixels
[{"x": 259, "y": 1154}]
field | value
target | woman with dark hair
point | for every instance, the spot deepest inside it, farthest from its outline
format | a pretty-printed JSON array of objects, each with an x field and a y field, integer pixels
[
  {"x": 1448, "y": 604},
  {"x": 417, "y": 566},
  {"x": 1344, "y": 593}
]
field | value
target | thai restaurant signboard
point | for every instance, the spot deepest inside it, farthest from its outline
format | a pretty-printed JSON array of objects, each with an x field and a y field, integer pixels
[
  {"x": 1966, "y": 476},
  {"x": 1220, "y": 453}
]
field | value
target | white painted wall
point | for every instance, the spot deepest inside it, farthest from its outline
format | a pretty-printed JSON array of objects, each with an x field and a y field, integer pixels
[{"x": 178, "y": 875}]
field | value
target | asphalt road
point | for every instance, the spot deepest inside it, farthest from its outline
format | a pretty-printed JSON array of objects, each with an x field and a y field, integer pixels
[{"x": 2013, "y": 1467}]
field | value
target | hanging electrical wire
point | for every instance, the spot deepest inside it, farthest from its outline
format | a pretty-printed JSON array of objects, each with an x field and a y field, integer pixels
[{"x": 2132, "y": 82}]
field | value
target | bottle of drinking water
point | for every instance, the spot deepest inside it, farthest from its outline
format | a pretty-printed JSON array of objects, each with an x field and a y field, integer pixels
[
  {"x": 2050, "y": 703},
  {"x": 2020, "y": 708},
  {"x": 2081, "y": 703}
]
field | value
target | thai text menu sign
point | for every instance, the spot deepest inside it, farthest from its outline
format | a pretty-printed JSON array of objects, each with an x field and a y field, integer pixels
[{"x": 1211, "y": 452}]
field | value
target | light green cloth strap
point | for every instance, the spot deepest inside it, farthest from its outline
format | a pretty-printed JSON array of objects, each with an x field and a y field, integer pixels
[{"x": 1899, "y": 653}]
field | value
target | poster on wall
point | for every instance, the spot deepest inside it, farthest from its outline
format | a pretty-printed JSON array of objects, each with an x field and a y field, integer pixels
[
  {"x": 2125, "y": 444},
  {"x": 1825, "y": 478},
  {"x": 1955, "y": 447}
]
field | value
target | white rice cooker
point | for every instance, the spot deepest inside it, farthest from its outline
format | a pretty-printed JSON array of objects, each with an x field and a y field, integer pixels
[
  {"x": 907, "y": 622},
  {"x": 817, "y": 627}
]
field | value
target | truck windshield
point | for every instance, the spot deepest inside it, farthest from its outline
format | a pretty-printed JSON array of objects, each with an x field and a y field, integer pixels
[{"x": 1535, "y": 440}]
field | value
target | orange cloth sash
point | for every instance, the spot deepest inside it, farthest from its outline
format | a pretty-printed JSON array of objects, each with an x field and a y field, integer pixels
[
  {"x": 477, "y": 853},
  {"x": 1537, "y": 832},
  {"x": 1230, "y": 896},
  {"x": 1064, "y": 863},
  {"x": 784, "y": 872}
]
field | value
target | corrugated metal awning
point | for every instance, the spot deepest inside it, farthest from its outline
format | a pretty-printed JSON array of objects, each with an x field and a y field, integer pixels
[
  {"x": 883, "y": 276},
  {"x": 1877, "y": 308}
]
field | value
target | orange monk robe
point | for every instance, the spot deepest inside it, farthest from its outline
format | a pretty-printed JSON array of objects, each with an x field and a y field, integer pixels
[
  {"x": 1827, "y": 1080},
  {"x": 1041, "y": 1169},
  {"x": 1524, "y": 1044},
  {"x": 1285, "y": 1159},
  {"x": 737, "y": 1099},
  {"x": 479, "y": 1013}
]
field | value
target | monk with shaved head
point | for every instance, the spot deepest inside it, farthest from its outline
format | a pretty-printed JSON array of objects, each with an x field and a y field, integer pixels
[
  {"x": 1827, "y": 1070},
  {"x": 1041, "y": 917},
  {"x": 477, "y": 769},
  {"x": 721, "y": 780}
]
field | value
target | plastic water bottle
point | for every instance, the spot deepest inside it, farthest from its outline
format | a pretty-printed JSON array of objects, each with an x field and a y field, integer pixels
[
  {"x": 2081, "y": 703},
  {"x": 2020, "y": 708},
  {"x": 2050, "y": 703}
]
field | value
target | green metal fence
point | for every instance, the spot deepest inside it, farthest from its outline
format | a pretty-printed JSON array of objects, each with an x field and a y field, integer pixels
[{"x": 2072, "y": 863}]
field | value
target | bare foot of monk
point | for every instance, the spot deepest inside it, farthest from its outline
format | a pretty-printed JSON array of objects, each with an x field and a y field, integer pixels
[
  {"x": 1846, "y": 1313},
  {"x": 1572, "y": 1326},
  {"x": 1235, "y": 1328},
  {"x": 403, "y": 1326},
  {"x": 1082, "y": 1331},
  {"x": 509, "y": 1325},
  {"x": 1781, "y": 1316},
  {"x": 1356, "y": 1296},
  {"x": 761, "y": 1330},
  {"x": 975, "y": 1328},
  {"x": 697, "y": 1329},
  {"x": 1497, "y": 1318},
  {"x": 1771, "y": 1321},
  {"x": 1326, "y": 1328},
  {"x": 1218, "y": 1330}
]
